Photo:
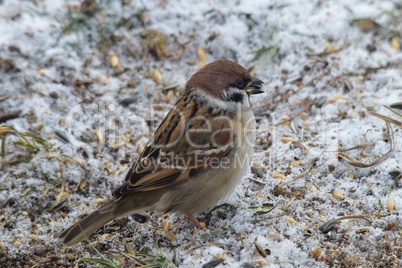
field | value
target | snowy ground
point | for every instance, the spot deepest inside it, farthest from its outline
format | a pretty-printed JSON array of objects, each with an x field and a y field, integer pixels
[{"x": 94, "y": 83}]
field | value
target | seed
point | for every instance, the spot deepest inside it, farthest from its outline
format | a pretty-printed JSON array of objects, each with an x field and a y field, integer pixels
[
  {"x": 328, "y": 47},
  {"x": 260, "y": 249},
  {"x": 165, "y": 225},
  {"x": 99, "y": 201},
  {"x": 83, "y": 206},
  {"x": 157, "y": 76},
  {"x": 395, "y": 43},
  {"x": 287, "y": 139},
  {"x": 110, "y": 170},
  {"x": 278, "y": 238},
  {"x": 336, "y": 97},
  {"x": 291, "y": 220},
  {"x": 296, "y": 163},
  {"x": 313, "y": 189},
  {"x": 277, "y": 175},
  {"x": 309, "y": 212},
  {"x": 107, "y": 235},
  {"x": 140, "y": 148},
  {"x": 260, "y": 262},
  {"x": 348, "y": 86},
  {"x": 214, "y": 263},
  {"x": 169, "y": 96},
  {"x": 338, "y": 195},
  {"x": 100, "y": 136},
  {"x": 201, "y": 56},
  {"x": 363, "y": 229},
  {"x": 365, "y": 155},
  {"x": 170, "y": 235},
  {"x": 114, "y": 59},
  {"x": 391, "y": 204},
  {"x": 316, "y": 253}
]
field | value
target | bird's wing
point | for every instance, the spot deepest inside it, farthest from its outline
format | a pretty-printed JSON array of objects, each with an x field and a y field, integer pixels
[{"x": 189, "y": 140}]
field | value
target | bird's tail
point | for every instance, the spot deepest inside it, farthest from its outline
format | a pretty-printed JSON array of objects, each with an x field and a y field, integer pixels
[{"x": 85, "y": 227}]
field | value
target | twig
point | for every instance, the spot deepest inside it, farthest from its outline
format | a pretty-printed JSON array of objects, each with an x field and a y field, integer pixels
[
  {"x": 304, "y": 173},
  {"x": 325, "y": 53},
  {"x": 354, "y": 162},
  {"x": 9, "y": 116}
]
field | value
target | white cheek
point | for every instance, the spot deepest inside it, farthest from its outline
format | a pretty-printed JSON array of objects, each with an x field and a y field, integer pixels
[{"x": 246, "y": 102}]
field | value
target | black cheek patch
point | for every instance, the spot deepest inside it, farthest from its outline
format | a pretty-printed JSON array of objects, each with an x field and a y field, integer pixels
[{"x": 236, "y": 97}]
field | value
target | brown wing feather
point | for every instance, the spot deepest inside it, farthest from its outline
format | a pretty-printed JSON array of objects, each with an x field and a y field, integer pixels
[{"x": 184, "y": 144}]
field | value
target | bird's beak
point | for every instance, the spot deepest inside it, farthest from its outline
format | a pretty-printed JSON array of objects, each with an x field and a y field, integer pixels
[{"x": 254, "y": 87}]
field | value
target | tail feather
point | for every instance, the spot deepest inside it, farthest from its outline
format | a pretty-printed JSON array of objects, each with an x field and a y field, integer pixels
[
  {"x": 114, "y": 209},
  {"x": 85, "y": 227}
]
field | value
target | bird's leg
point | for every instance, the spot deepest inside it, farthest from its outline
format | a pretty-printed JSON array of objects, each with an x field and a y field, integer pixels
[{"x": 194, "y": 221}]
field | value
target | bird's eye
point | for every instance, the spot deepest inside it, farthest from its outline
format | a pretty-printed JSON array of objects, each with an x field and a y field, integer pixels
[{"x": 240, "y": 83}]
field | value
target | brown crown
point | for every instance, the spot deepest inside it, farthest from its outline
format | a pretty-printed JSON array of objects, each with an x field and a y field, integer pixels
[{"x": 216, "y": 76}]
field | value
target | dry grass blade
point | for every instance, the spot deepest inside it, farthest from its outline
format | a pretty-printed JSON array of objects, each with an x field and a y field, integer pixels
[
  {"x": 301, "y": 175},
  {"x": 61, "y": 198},
  {"x": 316, "y": 79},
  {"x": 260, "y": 210},
  {"x": 277, "y": 191},
  {"x": 286, "y": 213},
  {"x": 365, "y": 23},
  {"x": 69, "y": 159},
  {"x": 263, "y": 108},
  {"x": 102, "y": 261},
  {"x": 302, "y": 107},
  {"x": 329, "y": 225},
  {"x": 360, "y": 146},
  {"x": 268, "y": 56},
  {"x": 190, "y": 243},
  {"x": 36, "y": 139},
  {"x": 206, "y": 245},
  {"x": 356, "y": 163},
  {"x": 4, "y": 97},
  {"x": 28, "y": 144},
  {"x": 287, "y": 206},
  {"x": 155, "y": 42},
  {"x": 30, "y": 141},
  {"x": 385, "y": 118},
  {"x": 325, "y": 53},
  {"x": 392, "y": 110},
  {"x": 6, "y": 130},
  {"x": 118, "y": 254}
]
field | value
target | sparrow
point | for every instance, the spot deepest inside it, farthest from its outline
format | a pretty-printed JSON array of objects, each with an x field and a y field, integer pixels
[{"x": 196, "y": 157}]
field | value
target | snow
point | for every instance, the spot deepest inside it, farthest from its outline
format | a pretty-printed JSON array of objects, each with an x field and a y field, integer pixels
[{"x": 56, "y": 49}]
